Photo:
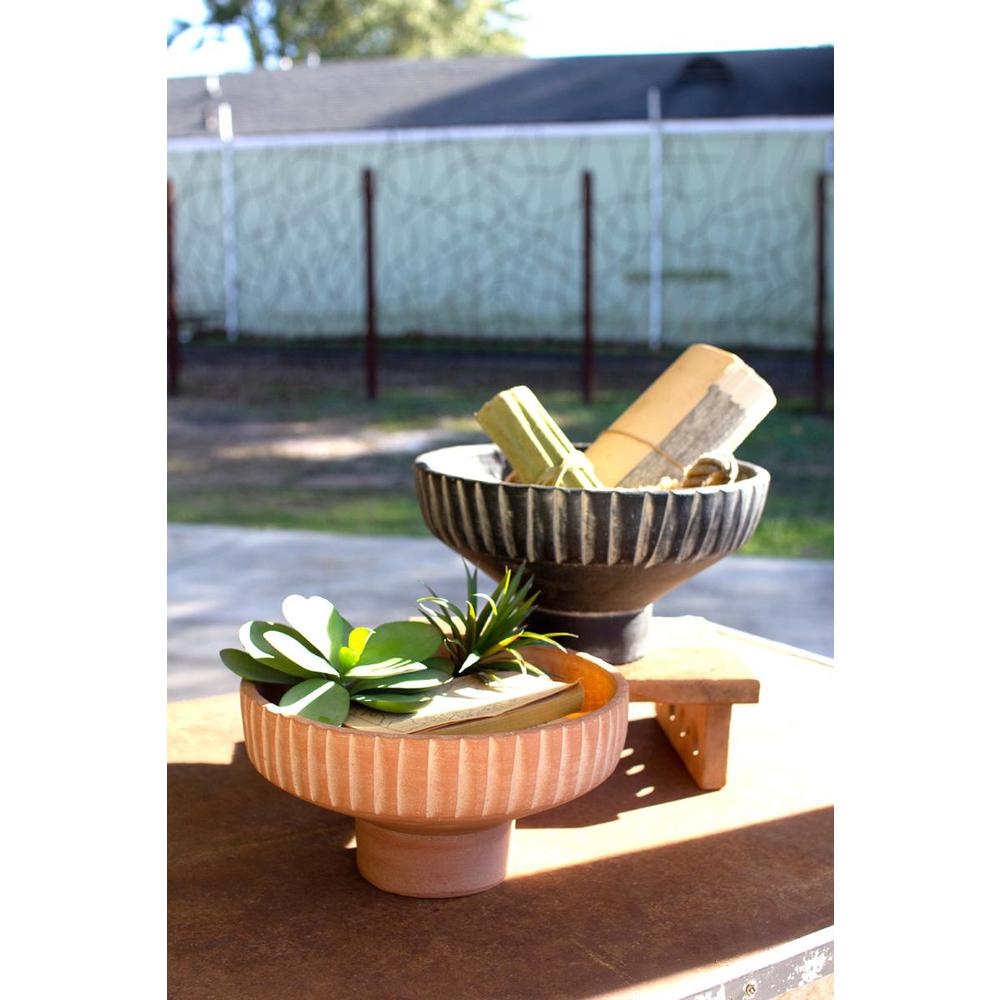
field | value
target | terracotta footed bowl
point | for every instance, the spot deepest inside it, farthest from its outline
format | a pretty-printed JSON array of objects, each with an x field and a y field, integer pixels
[
  {"x": 599, "y": 557},
  {"x": 434, "y": 814}
]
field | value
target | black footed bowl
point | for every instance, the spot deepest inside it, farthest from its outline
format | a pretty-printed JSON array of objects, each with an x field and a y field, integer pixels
[{"x": 599, "y": 557}]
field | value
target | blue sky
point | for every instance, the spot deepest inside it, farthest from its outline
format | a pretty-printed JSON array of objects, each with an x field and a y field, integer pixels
[{"x": 583, "y": 27}]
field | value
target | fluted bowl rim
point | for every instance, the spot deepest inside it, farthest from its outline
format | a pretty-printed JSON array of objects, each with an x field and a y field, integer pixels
[
  {"x": 251, "y": 691},
  {"x": 424, "y": 462}
]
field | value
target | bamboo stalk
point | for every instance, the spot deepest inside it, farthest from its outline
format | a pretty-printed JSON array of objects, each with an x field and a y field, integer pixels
[{"x": 534, "y": 444}]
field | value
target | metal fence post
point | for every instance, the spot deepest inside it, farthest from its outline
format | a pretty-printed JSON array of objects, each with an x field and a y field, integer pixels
[
  {"x": 173, "y": 334},
  {"x": 588, "y": 287},
  {"x": 371, "y": 331}
]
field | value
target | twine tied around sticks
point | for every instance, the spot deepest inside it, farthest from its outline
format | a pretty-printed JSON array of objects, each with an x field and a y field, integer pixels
[
  {"x": 648, "y": 444},
  {"x": 711, "y": 469}
]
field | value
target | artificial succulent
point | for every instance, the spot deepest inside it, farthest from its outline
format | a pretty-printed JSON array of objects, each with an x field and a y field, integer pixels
[
  {"x": 396, "y": 667},
  {"x": 489, "y": 635},
  {"x": 330, "y": 664}
]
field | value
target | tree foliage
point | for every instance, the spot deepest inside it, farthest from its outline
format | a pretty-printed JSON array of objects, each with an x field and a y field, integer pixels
[{"x": 279, "y": 30}]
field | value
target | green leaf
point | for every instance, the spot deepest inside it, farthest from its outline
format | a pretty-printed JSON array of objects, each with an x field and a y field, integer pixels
[
  {"x": 296, "y": 651},
  {"x": 338, "y": 629},
  {"x": 549, "y": 638},
  {"x": 417, "y": 680},
  {"x": 402, "y": 640},
  {"x": 445, "y": 610},
  {"x": 388, "y": 701},
  {"x": 318, "y": 621},
  {"x": 470, "y": 661},
  {"x": 385, "y": 668},
  {"x": 442, "y": 663},
  {"x": 244, "y": 665},
  {"x": 317, "y": 699},
  {"x": 253, "y": 641}
]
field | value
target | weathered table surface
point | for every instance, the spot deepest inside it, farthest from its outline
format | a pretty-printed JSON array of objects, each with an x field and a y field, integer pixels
[{"x": 645, "y": 887}]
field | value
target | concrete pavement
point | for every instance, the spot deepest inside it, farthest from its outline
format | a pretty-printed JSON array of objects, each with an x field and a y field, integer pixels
[{"x": 220, "y": 577}]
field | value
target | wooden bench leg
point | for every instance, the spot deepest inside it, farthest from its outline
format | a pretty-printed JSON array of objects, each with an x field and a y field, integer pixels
[{"x": 700, "y": 735}]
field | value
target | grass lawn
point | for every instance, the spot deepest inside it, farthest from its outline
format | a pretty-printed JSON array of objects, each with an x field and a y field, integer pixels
[
  {"x": 362, "y": 512},
  {"x": 249, "y": 448}
]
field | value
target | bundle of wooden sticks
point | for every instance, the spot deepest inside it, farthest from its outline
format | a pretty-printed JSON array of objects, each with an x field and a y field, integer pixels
[{"x": 682, "y": 432}]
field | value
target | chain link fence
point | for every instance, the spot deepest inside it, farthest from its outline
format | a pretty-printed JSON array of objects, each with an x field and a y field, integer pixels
[{"x": 482, "y": 237}]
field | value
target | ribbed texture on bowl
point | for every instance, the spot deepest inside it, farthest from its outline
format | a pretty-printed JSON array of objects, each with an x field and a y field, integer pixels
[
  {"x": 589, "y": 527},
  {"x": 589, "y": 551},
  {"x": 453, "y": 780}
]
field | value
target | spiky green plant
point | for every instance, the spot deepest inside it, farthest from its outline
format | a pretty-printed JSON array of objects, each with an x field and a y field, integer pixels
[
  {"x": 328, "y": 664},
  {"x": 488, "y": 635}
]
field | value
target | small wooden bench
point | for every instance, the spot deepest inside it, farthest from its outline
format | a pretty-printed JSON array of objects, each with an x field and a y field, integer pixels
[{"x": 695, "y": 674}]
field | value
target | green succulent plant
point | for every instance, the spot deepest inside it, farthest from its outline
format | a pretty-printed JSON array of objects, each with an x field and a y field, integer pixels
[
  {"x": 396, "y": 667},
  {"x": 488, "y": 635},
  {"x": 329, "y": 664}
]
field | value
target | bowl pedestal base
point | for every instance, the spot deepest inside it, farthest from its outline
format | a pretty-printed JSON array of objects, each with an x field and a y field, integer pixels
[
  {"x": 431, "y": 865},
  {"x": 614, "y": 637}
]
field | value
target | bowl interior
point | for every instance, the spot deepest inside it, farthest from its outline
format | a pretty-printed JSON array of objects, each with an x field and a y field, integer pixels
[
  {"x": 486, "y": 463},
  {"x": 599, "y": 685}
]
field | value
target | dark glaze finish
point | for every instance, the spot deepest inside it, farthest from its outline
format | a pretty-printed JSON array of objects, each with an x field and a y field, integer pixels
[{"x": 603, "y": 553}]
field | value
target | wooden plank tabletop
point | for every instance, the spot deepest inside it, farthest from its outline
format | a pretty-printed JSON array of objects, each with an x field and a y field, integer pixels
[{"x": 645, "y": 887}]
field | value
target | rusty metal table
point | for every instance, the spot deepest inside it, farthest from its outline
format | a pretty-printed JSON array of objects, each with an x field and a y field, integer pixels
[{"x": 647, "y": 886}]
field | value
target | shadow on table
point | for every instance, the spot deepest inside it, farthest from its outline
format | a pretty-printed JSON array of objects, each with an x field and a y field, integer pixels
[
  {"x": 266, "y": 901},
  {"x": 649, "y": 773},
  {"x": 207, "y": 802}
]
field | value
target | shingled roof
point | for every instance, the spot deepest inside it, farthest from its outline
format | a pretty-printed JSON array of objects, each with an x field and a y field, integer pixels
[{"x": 402, "y": 93}]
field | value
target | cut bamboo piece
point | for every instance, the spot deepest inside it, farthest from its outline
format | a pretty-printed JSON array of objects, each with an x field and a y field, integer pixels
[
  {"x": 537, "y": 449},
  {"x": 707, "y": 401}
]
